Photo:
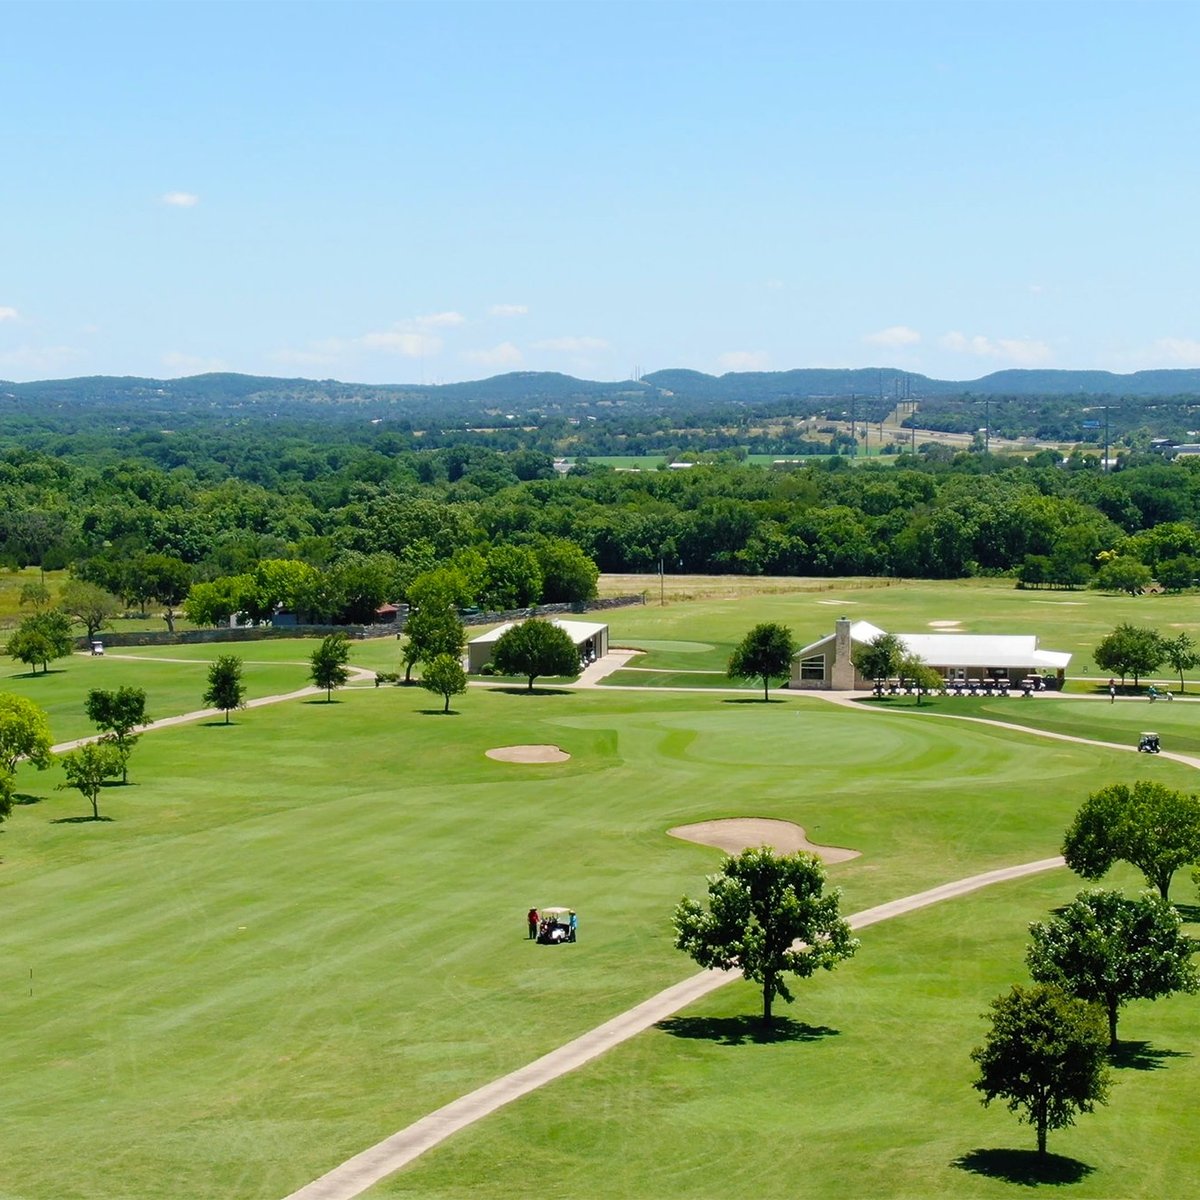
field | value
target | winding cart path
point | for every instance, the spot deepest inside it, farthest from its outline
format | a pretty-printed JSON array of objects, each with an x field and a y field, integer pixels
[{"x": 364, "y": 1170}]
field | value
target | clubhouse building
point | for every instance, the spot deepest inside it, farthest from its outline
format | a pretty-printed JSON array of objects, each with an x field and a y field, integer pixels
[{"x": 827, "y": 664}]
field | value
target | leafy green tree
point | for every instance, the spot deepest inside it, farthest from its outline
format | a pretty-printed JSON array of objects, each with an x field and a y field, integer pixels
[
  {"x": 1179, "y": 574},
  {"x": 1181, "y": 654},
  {"x": 118, "y": 712},
  {"x": 1122, "y": 575},
  {"x": 765, "y": 653},
  {"x": 880, "y": 658},
  {"x": 535, "y": 647},
  {"x": 444, "y": 675},
  {"x": 166, "y": 579},
  {"x": 512, "y": 578},
  {"x": 1129, "y": 650},
  {"x": 36, "y": 595},
  {"x": 1045, "y": 1055},
  {"x": 1148, "y": 826},
  {"x": 213, "y": 603},
  {"x": 433, "y": 628},
  {"x": 768, "y": 916},
  {"x": 89, "y": 768},
  {"x": 42, "y": 638},
  {"x": 328, "y": 661},
  {"x": 568, "y": 575},
  {"x": 226, "y": 690},
  {"x": 24, "y": 733},
  {"x": 919, "y": 673},
  {"x": 1109, "y": 949},
  {"x": 89, "y": 604},
  {"x": 8, "y": 793}
]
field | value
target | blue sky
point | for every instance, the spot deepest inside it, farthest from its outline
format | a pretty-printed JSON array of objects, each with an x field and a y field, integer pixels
[{"x": 410, "y": 192}]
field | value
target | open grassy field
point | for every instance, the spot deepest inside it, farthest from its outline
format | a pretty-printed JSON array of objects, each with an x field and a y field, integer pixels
[{"x": 299, "y": 933}]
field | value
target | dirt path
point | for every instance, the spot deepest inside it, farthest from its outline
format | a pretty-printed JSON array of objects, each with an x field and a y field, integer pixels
[{"x": 364, "y": 1170}]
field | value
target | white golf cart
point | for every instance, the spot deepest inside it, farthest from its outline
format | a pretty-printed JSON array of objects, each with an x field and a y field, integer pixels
[{"x": 557, "y": 926}]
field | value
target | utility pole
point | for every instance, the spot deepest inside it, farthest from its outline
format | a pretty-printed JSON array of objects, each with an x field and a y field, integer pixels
[{"x": 987, "y": 423}]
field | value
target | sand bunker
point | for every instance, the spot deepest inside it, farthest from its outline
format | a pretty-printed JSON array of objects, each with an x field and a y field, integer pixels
[
  {"x": 944, "y": 624},
  {"x": 736, "y": 834},
  {"x": 528, "y": 754}
]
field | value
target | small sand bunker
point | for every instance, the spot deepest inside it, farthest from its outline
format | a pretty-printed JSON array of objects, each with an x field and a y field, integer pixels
[
  {"x": 736, "y": 834},
  {"x": 944, "y": 624},
  {"x": 528, "y": 754}
]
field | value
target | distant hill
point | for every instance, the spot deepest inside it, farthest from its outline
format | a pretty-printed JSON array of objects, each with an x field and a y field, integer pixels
[{"x": 547, "y": 391}]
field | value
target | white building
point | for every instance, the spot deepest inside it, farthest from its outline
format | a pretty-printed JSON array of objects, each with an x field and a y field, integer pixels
[{"x": 827, "y": 664}]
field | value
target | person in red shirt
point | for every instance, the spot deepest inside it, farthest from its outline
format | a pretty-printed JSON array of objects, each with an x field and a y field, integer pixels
[{"x": 532, "y": 918}]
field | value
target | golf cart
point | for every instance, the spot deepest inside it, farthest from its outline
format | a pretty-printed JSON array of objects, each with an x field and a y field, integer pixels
[
  {"x": 556, "y": 926},
  {"x": 1148, "y": 743}
]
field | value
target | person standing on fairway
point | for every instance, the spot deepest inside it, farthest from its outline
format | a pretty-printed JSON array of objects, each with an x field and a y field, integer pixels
[{"x": 532, "y": 918}]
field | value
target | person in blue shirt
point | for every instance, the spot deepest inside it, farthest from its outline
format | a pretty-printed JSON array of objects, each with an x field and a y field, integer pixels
[{"x": 573, "y": 923}]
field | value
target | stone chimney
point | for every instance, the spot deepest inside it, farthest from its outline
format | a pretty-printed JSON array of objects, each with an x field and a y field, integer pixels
[{"x": 842, "y": 675}]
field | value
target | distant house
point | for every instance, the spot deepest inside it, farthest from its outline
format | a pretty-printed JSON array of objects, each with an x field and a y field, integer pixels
[
  {"x": 827, "y": 664},
  {"x": 590, "y": 640}
]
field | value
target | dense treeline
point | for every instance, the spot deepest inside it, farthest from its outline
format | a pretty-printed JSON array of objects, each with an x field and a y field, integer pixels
[{"x": 335, "y": 502}]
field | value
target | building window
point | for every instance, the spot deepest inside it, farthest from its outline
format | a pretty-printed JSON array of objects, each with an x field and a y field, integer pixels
[{"x": 813, "y": 668}]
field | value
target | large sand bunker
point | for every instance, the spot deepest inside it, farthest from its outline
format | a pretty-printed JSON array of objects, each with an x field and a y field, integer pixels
[
  {"x": 528, "y": 754},
  {"x": 736, "y": 834}
]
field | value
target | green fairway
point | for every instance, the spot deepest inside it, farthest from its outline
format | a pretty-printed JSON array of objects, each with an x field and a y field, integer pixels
[
  {"x": 866, "y": 1093},
  {"x": 298, "y": 933}
]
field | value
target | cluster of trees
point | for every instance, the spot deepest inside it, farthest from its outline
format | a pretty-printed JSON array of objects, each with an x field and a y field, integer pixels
[
  {"x": 1139, "y": 650},
  {"x": 1046, "y": 1050}
]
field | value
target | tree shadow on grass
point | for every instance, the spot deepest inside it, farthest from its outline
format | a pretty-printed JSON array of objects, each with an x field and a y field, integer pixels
[
  {"x": 1026, "y": 1167},
  {"x": 750, "y": 700},
  {"x": 1142, "y": 1056},
  {"x": 737, "y": 1031},
  {"x": 438, "y": 712},
  {"x": 320, "y": 700},
  {"x": 78, "y": 820},
  {"x": 26, "y": 798},
  {"x": 537, "y": 691},
  {"x": 222, "y": 724},
  {"x": 1188, "y": 912}
]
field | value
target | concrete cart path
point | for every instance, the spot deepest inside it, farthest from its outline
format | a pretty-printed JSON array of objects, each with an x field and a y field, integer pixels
[
  {"x": 364, "y": 1170},
  {"x": 357, "y": 674}
]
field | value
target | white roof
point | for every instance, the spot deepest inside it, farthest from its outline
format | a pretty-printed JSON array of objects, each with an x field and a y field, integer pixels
[
  {"x": 1004, "y": 650},
  {"x": 578, "y": 631}
]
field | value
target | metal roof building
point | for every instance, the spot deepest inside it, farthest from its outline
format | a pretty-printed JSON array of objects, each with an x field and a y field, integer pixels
[{"x": 826, "y": 664}]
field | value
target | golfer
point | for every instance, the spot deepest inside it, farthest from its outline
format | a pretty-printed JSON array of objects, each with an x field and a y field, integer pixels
[{"x": 532, "y": 918}]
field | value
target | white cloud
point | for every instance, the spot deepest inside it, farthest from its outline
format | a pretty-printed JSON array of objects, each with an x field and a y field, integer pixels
[
  {"x": 400, "y": 341},
  {"x": 571, "y": 345},
  {"x": 503, "y": 355},
  {"x": 181, "y": 199},
  {"x": 191, "y": 364},
  {"x": 893, "y": 336},
  {"x": 1024, "y": 352},
  {"x": 744, "y": 360},
  {"x": 440, "y": 320},
  {"x": 1178, "y": 351},
  {"x": 509, "y": 310},
  {"x": 7, "y": 313},
  {"x": 1036, "y": 289}
]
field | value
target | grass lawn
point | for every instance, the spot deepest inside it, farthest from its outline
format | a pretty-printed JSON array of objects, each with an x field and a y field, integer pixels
[
  {"x": 297, "y": 934},
  {"x": 301, "y": 932},
  {"x": 866, "y": 1092}
]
